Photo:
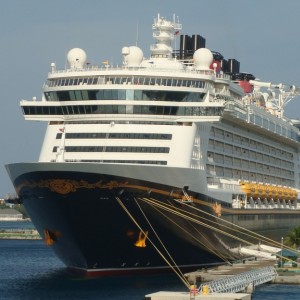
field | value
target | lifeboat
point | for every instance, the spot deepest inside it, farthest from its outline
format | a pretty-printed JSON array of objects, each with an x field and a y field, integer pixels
[{"x": 267, "y": 191}]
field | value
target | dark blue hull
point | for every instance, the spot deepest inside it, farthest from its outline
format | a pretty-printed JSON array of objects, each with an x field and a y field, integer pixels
[
  {"x": 106, "y": 224},
  {"x": 80, "y": 217}
]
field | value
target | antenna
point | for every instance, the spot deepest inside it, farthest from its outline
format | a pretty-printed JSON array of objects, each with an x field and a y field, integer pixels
[{"x": 137, "y": 33}]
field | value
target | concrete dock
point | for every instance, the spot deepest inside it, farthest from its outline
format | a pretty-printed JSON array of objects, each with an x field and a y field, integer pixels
[
  {"x": 187, "y": 296},
  {"x": 284, "y": 276}
]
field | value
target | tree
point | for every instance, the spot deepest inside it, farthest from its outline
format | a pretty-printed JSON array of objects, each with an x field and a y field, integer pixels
[{"x": 293, "y": 238}]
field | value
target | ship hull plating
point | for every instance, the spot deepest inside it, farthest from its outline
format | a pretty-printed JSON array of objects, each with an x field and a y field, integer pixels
[{"x": 107, "y": 224}]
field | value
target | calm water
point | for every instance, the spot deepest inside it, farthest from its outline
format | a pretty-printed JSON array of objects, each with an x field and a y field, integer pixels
[{"x": 29, "y": 270}]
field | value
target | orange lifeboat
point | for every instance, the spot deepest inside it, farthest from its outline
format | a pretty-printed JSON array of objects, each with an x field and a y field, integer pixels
[
  {"x": 295, "y": 195},
  {"x": 274, "y": 193},
  {"x": 267, "y": 191}
]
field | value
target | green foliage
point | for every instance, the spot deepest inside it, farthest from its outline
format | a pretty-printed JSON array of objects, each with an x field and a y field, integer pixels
[{"x": 293, "y": 238}]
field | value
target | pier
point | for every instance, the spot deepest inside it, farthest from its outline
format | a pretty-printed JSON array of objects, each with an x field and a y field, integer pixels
[
  {"x": 19, "y": 234},
  {"x": 232, "y": 282},
  {"x": 187, "y": 296}
]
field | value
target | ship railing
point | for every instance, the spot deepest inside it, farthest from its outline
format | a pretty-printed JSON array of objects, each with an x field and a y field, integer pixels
[{"x": 106, "y": 68}]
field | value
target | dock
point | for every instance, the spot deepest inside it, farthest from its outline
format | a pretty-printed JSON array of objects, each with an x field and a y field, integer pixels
[
  {"x": 231, "y": 282},
  {"x": 19, "y": 234},
  {"x": 187, "y": 296}
]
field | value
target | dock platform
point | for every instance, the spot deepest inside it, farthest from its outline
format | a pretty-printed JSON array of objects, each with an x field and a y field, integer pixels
[
  {"x": 187, "y": 296},
  {"x": 224, "y": 274}
]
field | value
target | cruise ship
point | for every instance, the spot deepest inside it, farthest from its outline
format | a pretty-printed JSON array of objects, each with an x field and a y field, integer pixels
[{"x": 176, "y": 159}]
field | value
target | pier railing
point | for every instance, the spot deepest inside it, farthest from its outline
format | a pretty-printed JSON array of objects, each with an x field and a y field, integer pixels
[{"x": 240, "y": 282}]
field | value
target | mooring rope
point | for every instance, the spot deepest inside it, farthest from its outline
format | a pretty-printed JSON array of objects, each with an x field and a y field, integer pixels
[
  {"x": 212, "y": 248},
  {"x": 183, "y": 279},
  {"x": 161, "y": 242},
  {"x": 254, "y": 234}
]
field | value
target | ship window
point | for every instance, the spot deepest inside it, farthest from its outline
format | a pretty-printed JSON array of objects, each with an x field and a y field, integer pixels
[
  {"x": 114, "y": 94},
  {"x": 148, "y": 162},
  {"x": 85, "y": 95},
  {"x": 64, "y": 110},
  {"x": 138, "y": 95},
  {"x": 121, "y": 94},
  {"x": 48, "y": 96},
  {"x": 115, "y": 109},
  {"x": 78, "y": 95},
  {"x": 72, "y": 95},
  {"x": 107, "y": 94},
  {"x": 118, "y": 109},
  {"x": 108, "y": 109},
  {"x": 63, "y": 95},
  {"x": 121, "y": 109},
  {"x": 81, "y": 109},
  {"x": 118, "y": 80},
  {"x": 117, "y": 149},
  {"x": 52, "y": 111},
  {"x": 137, "y": 109}
]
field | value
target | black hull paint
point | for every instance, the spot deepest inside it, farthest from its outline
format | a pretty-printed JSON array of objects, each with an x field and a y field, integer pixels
[{"x": 79, "y": 215}]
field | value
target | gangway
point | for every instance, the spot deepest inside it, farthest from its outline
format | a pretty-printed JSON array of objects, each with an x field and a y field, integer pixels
[{"x": 240, "y": 282}]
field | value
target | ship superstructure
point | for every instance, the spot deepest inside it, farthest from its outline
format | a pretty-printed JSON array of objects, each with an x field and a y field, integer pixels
[{"x": 187, "y": 127}]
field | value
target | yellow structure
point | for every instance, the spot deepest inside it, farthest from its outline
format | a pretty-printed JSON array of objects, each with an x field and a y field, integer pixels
[
  {"x": 268, "y": 191},
  {"x": 205, "y": 290}
]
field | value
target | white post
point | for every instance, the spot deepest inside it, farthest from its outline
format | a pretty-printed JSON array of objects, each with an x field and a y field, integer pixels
[{"x": 281, "y": 252}]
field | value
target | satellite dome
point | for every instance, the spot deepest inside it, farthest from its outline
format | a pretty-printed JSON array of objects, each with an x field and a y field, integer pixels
[
  {"x": 133, "y": 56},
  {"x": 76, "y": 58},
  {"x": 203, "y": 59},
  {"x": 125, "y": 51}
]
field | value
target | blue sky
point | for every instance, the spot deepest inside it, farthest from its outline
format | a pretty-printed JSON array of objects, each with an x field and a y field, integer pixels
[{"x": 263, "y": 35}]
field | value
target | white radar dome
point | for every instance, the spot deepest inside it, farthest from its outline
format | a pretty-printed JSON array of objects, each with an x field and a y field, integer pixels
[
  {"x": 133, "y": 56},
  {"x": 76, "y": 58},
  {"x": 203, "y": 59}
]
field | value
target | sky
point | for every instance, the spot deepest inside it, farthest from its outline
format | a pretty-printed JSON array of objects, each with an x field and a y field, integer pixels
[{"x": 263, "y": 35}]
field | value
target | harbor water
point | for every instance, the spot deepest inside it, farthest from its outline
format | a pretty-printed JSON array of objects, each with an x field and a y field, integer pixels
[{"x": 30, "y": 270}]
